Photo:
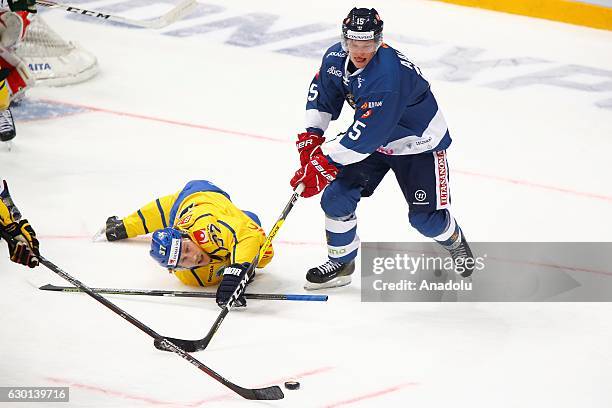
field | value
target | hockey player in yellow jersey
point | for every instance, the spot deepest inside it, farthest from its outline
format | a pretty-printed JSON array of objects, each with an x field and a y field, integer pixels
[
  {"x": 23, "y": 245},
  {"x": 199, "y": 235}
]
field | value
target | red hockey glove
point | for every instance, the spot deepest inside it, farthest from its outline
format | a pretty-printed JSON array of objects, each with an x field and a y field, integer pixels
[
  {"x": 306, "y": 143},
  {"x": 315, "y": 175}
]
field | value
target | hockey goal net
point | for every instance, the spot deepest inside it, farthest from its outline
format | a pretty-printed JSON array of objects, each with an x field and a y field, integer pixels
[{"x": 53, "y": 60}]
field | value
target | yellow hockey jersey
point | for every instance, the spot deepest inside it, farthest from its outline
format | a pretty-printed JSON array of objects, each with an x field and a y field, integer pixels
[
  {"x": 6, "y": 217},
  {"x": 205, "y": 213}
]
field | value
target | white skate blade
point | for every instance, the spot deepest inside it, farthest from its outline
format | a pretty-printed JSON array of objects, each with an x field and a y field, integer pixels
[
  {"x": 334, "y": 283},
  {"x": 100, "y": 236}
]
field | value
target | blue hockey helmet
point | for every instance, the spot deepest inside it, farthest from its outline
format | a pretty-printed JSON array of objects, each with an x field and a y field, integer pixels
[
  {"x": 362, "y": 24},
  {"x": 166, "y": 247}
]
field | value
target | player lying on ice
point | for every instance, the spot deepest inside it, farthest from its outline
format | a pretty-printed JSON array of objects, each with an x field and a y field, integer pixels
[
  {"x": 199, "y": 235},
  {"x": 397, "y": 126}
]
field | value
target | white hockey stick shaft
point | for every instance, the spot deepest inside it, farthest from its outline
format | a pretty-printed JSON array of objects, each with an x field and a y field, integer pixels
[{"x": 176, "y": 13}]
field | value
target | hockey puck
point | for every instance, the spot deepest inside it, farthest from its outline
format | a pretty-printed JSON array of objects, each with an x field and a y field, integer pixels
[{"x": 292, "y": 385}]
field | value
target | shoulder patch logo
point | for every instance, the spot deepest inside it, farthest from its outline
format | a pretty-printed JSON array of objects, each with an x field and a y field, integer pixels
[{"x": 184, "y": 220}]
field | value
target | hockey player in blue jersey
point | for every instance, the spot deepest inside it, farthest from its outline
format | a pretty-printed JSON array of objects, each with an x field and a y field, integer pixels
[{"x": 397, "y": 125}]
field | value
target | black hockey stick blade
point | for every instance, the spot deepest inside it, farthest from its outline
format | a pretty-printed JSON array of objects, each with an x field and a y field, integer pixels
[
  {"x": 192, "y": 346},
  {"x": 189, "y": 346},
  {"x": 269, "y": 393}
]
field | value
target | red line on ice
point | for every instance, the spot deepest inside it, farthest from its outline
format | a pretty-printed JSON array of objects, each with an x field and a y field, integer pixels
[
  {"x": 168, "y": 121},
  {"x": 109, "y": 392},
  {"x": 371, "y": 395},
  {"x": 272, "y": 139},
  {"x": 535, "y": 185}
]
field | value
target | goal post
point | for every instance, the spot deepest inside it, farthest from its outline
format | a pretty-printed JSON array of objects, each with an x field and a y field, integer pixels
[{"x": 52, "y": 60}]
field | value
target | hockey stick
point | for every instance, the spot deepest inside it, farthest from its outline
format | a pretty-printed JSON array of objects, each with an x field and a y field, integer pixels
[
  {"x": 176, "y": 13},
  {"x": 184, "y": 293},
  {"x": 268, "y": 393},
  {"x": 201, "y": 344}
]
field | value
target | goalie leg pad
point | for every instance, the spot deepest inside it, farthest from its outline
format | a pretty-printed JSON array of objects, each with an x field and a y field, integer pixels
[{"x": 19, "y": 77}]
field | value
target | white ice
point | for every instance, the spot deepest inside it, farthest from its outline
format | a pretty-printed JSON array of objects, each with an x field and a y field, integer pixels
[{"x": 527, "y": 164}]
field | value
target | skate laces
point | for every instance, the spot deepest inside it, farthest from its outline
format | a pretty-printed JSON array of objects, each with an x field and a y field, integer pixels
[
  {"x": 459, "y": 252},
  {"x": 5, "y": 121},
  {"x": 329, "y": 266}
]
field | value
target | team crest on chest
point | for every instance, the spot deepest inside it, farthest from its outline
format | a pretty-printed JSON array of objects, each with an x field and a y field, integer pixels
[{"x": 201, "y": 236}]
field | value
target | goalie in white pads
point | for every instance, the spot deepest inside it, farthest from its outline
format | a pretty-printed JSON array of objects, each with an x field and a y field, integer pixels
[{"x": 15, "y": 76}]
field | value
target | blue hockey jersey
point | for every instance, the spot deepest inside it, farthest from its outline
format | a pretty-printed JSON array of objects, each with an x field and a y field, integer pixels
[{"x": 395, "y": 111}]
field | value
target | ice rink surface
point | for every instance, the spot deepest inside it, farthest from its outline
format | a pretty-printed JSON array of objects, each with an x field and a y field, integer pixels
[{"x": 220, "y": 96}]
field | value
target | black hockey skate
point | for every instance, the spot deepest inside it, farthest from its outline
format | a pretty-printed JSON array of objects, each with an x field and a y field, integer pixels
[
  {"x": 462, "y": 255},
  {"x": 7, "y": 126},
  {"x": 329, "y": 275}
]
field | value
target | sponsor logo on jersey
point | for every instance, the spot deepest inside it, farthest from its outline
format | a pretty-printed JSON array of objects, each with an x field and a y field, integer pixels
[
  {"x": 211, "y": 273},
  {"x": 39, "y": 67},
  {"x": 384, "y": 150},
  {"x": 367, "y": 114},
  {"x": 370, "y": 105},
  {"x": 184, "y": 221},
  {"x": 442, "y": 177},
  {"x": 336, "y": 54},
  {"x": 422, "y": 142},
  {"x": 201, "y": 236},
  {"x": 334, "y": 71},
  {"x": 360, "y": 80}
]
